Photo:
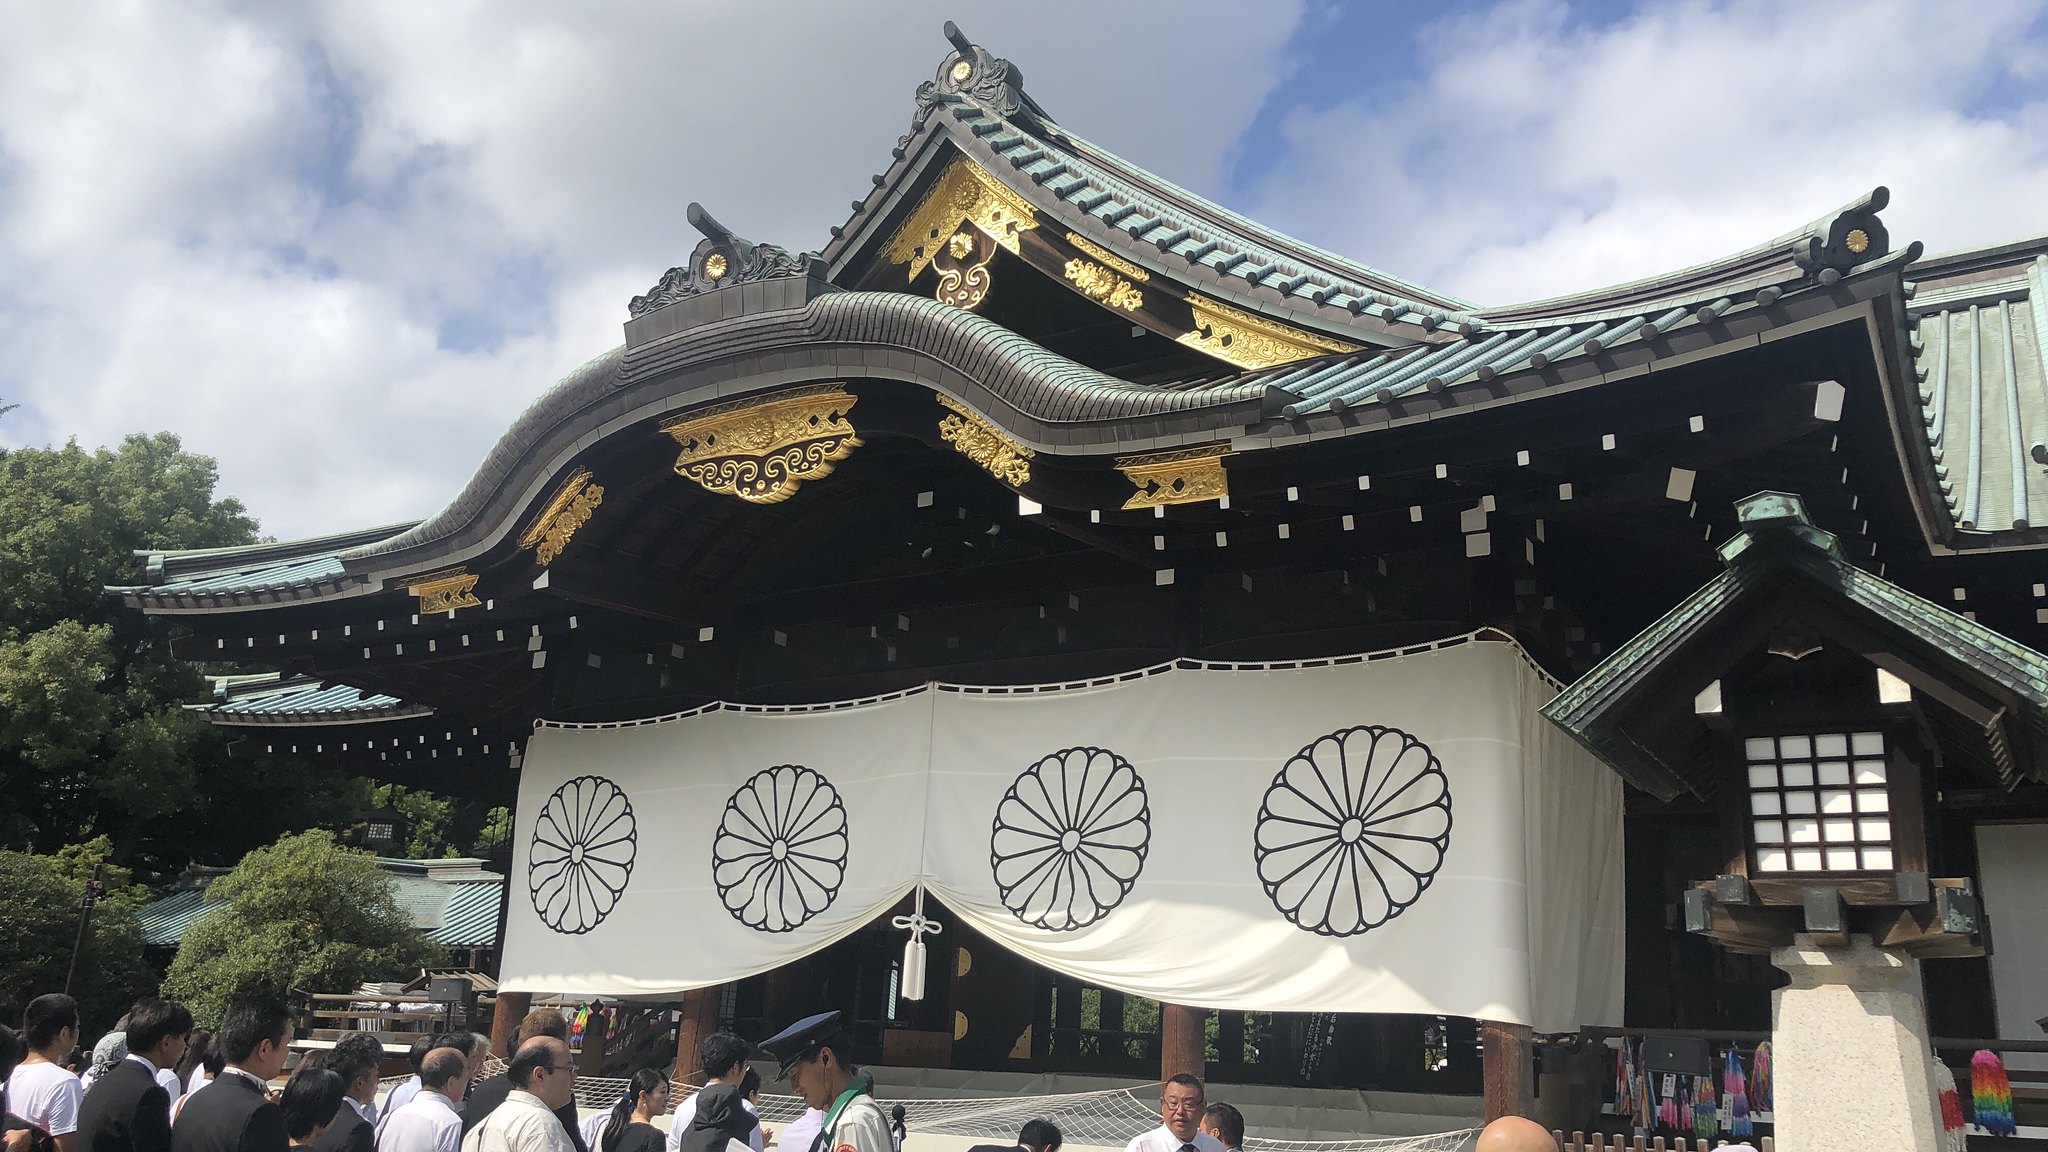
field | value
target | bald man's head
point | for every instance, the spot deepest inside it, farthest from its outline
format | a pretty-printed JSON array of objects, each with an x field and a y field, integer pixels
[
  {"x": 1515, "y": 1134},
  {"x": 542, "y": 1066}
]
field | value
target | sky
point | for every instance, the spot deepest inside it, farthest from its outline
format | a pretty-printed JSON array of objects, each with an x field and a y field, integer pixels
[{"x": 339, "y": 246}]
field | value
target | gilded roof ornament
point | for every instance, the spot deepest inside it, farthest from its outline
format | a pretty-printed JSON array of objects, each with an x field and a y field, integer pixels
[
  {"x": 1103, "y": 286},
  {"x": 721, "y": 260},
  {"x": 762, "y": 449},
  {"x": 985, "y": 444},
  {"x": 1249, "y": 340},
  {"x": 1107, "y": 257},
  {"x": 957, "y": 226},
  {"x": 567, "y": 510},
  {"x": 969, "y": 70},
  {"x": 1184, "y": 476},
  {"x": 444, "y": 591}
]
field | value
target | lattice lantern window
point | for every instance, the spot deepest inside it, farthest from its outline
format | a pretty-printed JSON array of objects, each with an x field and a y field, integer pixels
[{"x": 1820, "y": 803}]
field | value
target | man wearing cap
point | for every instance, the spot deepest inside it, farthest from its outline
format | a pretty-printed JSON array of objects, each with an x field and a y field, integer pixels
[{"x": 811, "y": 1053}]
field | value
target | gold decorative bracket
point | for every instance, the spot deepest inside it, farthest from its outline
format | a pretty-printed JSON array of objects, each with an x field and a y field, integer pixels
[
  {"x": 567, "y": 510},
  {"x": 444, "y": 591},
  {"x": 762, "y": 449},
  {"x": 1250, "y": 340},
  {"x": 1186, "y": 476},
  {"x": 958, "y": 225},
  {"x": 985, "y": 444}
]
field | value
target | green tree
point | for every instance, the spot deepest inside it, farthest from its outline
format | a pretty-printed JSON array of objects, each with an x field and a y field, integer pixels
[
  {"x": 495, "y": 837},
  {"x": 92, "y": 736},
  {"x": 304, "y": 913},
  {"x": 40, "y": 926}
]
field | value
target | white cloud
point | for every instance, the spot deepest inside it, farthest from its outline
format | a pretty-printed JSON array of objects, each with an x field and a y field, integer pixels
[
  {"x": 1540, "y": 156},
  {"x": 252, "y": 225}
]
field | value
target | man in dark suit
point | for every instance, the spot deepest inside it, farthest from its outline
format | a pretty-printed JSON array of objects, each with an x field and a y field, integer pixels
[
  {"x": 234, "y": 1113},
  {"x": 1037, "y": 1136},
  {"x": 127, "y": 1110},
  {"x": 356, "y": 1060}
]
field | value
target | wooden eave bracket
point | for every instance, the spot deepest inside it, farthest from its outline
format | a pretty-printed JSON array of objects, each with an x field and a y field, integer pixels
[{"x": 1926, "y": 918}]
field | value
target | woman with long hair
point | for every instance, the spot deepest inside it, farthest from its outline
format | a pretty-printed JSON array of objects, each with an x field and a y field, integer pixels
[{"x": 630, "y": 1128}]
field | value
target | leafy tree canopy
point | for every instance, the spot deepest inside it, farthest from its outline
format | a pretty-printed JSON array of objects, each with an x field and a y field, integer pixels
[
  {"x": 92, "y": 738},
  {"x": 41, "y": 925},
  {"x": 304, "y": 913},
  {"x": 438, "y": 827}
]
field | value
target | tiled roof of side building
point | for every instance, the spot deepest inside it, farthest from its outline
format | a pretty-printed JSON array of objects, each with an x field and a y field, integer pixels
[
  {"x": 163, "y": 922},
  {"x": 436, "y": 895},
  {"x": 298, "y": 700},
  {"x": 279, "y": 571},
  {"x": 1978, "y": 327}
]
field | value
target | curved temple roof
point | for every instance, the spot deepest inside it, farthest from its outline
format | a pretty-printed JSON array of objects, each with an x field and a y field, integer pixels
[{"x": 693, "y": 343}]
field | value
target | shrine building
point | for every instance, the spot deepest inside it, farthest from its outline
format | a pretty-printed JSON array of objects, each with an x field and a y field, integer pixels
[{"x": 1071, "y": 627}]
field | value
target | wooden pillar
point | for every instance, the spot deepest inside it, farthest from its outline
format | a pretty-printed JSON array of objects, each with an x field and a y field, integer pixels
[
  {"x": 511, "y": 1008},
  {"x": 1506, "y": 1072},
  {"x": 699, "y": 1019},
  {"x": 1182, "y": 1046}
]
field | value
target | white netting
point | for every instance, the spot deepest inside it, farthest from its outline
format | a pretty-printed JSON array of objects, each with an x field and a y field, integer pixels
[{"x": 1105, "y": 1119}]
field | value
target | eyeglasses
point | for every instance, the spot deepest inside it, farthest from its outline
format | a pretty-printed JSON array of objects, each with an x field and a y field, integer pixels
[{"x": 1180, "y": 1105}]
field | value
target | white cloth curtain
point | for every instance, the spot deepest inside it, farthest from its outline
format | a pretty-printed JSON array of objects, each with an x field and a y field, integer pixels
[{"x": 1394, "y": 835}]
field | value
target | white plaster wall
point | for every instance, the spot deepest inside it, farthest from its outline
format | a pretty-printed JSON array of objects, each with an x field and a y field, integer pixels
[{"x": 2012, "y": 861}]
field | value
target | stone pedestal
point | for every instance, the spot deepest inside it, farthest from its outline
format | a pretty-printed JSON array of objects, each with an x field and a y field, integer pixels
[{"x": 1850, "y": 1061}]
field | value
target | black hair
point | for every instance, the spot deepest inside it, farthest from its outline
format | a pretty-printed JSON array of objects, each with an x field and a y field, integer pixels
[
  {"x": 841, "y": 1045},
  {"x": 1228, "y": 1122},
  {"x": 1185, "y": 1080},
  {"x": 355, "y": 1054},
  {"x": 718, "y": 1052},
  {"x": 1043, "y": 1135},
  {"x": 750, "y": 1083},
  {"x": 644, "y": 1081},
  {"x": 463, "y": 1042},
  {"x": 531, "y": 1057},
  {"x": 441, "y": 1066},
  {"x": 45, "y": 1017},
  {"x": 310, "y": 1100},
  {"x": 11, "y": 1052},
  {"x": 152, "y": 1021},
  {"x": 245, "y": 1026},
  {"x": 421, "y": 1045},
  {"x": 196, "y": 1049}
]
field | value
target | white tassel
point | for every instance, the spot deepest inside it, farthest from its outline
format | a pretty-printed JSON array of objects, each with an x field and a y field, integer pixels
[{"x": 911, "y": 984}]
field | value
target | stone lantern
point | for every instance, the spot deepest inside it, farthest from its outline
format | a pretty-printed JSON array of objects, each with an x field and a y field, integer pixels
[{"x": 1808, "y": 702}]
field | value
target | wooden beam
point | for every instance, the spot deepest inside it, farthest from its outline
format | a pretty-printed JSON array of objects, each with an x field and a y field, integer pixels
[
  {"x": 510, "y": 1009},
  {"x": 1183, "y": 1046},
  {"x": 1507, "y": 1073},
  {"x": 699, "y": 1020}
]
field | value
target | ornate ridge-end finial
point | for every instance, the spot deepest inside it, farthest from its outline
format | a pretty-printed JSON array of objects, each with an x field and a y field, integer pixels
[
  {"x": 721, "y": 260},
  {"x": 970, "y": 71},
  {"x": 1851, "y": 237}
]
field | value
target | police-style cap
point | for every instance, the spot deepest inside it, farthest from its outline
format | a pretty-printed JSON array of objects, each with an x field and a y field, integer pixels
[{"x": 801, "y": 1039}]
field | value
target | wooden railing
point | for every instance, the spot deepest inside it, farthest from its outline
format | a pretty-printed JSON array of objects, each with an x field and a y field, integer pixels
[{"x": 332, "y": 1017}]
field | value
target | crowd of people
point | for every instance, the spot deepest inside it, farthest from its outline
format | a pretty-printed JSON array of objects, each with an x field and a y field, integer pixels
[{"x": 158, "y": 1084}]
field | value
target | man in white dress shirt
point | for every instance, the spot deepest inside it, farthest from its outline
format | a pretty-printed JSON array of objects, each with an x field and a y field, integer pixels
[
  {"x": 429, "y": 1122},
  {"x": 543, "y": 1079},
  {"x": 723, "y": 1058},
  {"x": 1181, "y": 1106}
]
